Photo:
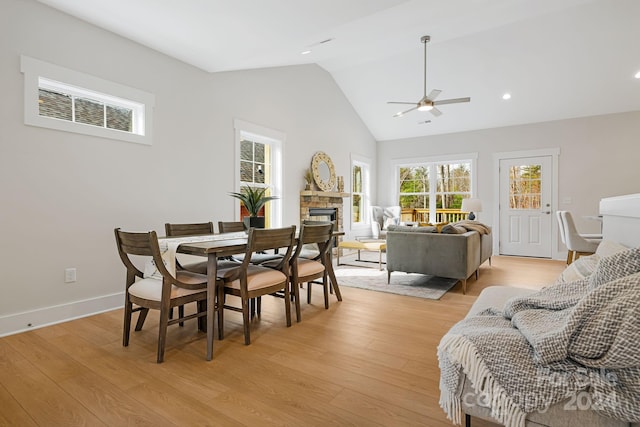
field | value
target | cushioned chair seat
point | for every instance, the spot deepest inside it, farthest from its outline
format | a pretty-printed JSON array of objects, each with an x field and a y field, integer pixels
[
  {"x": 257, "y": 277},
  {"x": 151, "y": 289},
  {"x": 307, "y": 267}
]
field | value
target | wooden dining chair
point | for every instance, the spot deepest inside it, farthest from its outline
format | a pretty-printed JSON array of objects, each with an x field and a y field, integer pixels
[
  {"x": 157, "y": 294},
  {"x": 230, "y": 226},
  {"x": 309, "y": 270},
  {"x": 249, "y": 281}
]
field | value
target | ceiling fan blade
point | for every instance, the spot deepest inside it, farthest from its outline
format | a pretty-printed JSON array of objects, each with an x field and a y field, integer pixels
[
  {"x": 402, "y": 113},
  {"x": 433, "y": 94},
  {"x": 400, "y": 102},
  {"x": 451, "y": 101},
  {"x": 435, "y": 112}
]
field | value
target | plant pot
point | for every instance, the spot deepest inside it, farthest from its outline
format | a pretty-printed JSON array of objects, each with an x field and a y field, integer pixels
[{"x": 253, "y": 221}]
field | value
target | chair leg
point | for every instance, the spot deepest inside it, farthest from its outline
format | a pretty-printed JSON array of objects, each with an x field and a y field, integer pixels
[
  {"x": 464, "y": 286},
  {"x": 296, "y": 299},
  {"x": 259, "y": 305},
  {"x": 287, "y": 304},
  {"x": 220, "y": 308},
  {"x": 569, "y": 256},
  {"x": 308, "y": 292},
  {"x": 467, "y": 420},
  {"x": 489, "y": 261},
  {"x": 325, "y": 285},
  {"x": 141, "y": 318},
  {"x": 162, "y": 332},
  {"x": 181, "y": 314},
  {"x": 245, "y": 320},
  {"x": 127, "y": 321},
  {"x": 202, "y": 308}
]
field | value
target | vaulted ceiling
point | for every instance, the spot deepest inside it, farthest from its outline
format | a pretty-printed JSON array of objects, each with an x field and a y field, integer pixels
[{"x": 557, "y": 58}]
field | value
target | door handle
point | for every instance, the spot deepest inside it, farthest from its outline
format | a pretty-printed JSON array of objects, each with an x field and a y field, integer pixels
[{"x": 547, "y": 212}]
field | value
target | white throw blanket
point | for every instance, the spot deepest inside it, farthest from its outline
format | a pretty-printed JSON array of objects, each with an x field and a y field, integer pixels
[
  {"x": 570, "y": 340},
  {"x": 169, "y": 246}
]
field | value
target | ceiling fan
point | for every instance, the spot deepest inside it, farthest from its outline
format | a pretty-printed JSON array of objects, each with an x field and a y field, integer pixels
[{"x": 428, "y": 102}]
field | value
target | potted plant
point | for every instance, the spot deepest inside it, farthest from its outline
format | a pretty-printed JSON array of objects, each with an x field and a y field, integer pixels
[
  {"x": 253, "y": 199},
  {"x": 308, "y": 179}
]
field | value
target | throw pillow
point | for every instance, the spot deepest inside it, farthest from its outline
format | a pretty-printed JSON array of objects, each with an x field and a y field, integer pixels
[
  {"x": 613, "y": 267},
  {"x": 390, "y": 221},
  {"x": 609, "y": 247},
  {"x": 439, "y": 226},
  {"x": 579, "y": 269},
  {"x": 453, "y": 229}
]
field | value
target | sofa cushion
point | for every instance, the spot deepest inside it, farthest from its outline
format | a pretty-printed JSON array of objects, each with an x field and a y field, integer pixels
[{"x": 411, "y": 229}]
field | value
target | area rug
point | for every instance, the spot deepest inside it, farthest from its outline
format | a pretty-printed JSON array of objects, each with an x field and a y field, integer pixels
[{"x": 415, "y": 285}]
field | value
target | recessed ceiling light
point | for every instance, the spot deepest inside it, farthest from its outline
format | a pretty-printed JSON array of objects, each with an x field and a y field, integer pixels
[
  {"x": 306, "y": 52},
  {"x": 637, "y": 76},
  {"x": 506, "y": 96}
]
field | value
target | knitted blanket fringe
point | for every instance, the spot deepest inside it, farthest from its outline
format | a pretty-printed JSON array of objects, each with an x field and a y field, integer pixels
[{"x": 463, "y": 353}]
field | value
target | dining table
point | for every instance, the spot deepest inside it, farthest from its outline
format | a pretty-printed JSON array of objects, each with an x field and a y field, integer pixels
[{"x": 224, "y": 245}]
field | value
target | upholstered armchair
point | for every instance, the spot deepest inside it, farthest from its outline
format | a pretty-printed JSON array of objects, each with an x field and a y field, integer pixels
[{"x": 381, "y": 217}]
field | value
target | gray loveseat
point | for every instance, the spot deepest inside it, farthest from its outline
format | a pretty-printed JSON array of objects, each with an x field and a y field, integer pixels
[{"x": 422, "y": 250}]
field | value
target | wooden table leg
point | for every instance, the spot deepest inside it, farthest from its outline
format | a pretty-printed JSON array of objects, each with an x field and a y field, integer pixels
[{"x": 212, "y": 272}]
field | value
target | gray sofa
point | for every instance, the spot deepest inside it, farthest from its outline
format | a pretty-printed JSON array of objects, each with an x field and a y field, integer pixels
[
  {"x": 422, "y": 250},
  {"x": 557, "y": 415}
]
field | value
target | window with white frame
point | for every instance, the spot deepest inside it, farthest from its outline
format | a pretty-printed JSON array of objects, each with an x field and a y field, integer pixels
[
  {"x": 432, "y": 191},
  {"x": 259, "y": 160},
  {"x": 67, "y": 100},
  {"x": 359, "y": 191}
]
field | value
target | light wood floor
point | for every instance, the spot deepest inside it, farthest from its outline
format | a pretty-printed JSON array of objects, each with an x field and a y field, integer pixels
[{"x": 367, "y": 361}]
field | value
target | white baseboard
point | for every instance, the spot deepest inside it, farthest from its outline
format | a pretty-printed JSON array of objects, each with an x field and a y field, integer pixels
[{"x": 34, "y": 319}]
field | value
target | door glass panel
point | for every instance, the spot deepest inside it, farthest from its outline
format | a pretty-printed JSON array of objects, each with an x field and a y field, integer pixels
[{"x": 525, "y": 186}]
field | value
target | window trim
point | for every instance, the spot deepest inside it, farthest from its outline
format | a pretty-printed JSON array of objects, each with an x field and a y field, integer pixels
[
  {"x": 34, "y": 70},
  {"x": 276, "y": 139},
  {"x": 422, "y": 161}
]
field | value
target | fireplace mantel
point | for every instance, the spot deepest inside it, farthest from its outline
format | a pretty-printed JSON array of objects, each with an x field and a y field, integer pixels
[{"x": 323, "y": 193}]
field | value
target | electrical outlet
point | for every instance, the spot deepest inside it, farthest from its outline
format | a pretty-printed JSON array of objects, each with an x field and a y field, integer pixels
[{"x": 69, "y": 275}]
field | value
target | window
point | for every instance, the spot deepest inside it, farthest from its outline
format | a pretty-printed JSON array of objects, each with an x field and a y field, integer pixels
[
  {"x": 432, "y": 191},
  {"x": 62, "y": 99},
  {"x": 259, "y": 160},
  {"x": 359, "y": 191},
  {"x": 525, "y": 186}
]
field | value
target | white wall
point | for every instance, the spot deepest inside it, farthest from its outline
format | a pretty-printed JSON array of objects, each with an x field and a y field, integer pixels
[
  {"x": 598, "y": 158},
  {"x": 63, "y": 194}
]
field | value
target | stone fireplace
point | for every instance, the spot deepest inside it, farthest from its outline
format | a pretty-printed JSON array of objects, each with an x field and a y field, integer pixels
[{"x": 322, "y": 205}]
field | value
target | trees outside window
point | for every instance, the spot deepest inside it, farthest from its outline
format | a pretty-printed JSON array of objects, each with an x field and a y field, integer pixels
[{"x": 433, "y": 191}]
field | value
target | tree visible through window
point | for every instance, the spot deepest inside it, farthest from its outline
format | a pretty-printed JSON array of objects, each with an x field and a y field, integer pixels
[
  {"x": 525, "y": 184},
  {"x": 435, "y": 188}
]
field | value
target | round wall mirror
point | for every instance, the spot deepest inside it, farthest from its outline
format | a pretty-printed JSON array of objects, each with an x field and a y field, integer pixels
[{"x": 324, "y": 174}]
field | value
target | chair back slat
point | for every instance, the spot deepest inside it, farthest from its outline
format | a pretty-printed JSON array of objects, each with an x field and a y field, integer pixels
[
  {"x": 318, "y": 233},
  {"x": 133, "y": 243},
  {"x": 195, "y": 229},
  {"x": 230, "y": 226}
]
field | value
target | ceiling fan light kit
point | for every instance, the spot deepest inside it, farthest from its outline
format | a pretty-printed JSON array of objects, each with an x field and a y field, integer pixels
[{"x": 427, "y": 102}]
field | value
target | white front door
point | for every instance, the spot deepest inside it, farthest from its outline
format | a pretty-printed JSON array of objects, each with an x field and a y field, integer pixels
[{"x": 525, "y": 206}]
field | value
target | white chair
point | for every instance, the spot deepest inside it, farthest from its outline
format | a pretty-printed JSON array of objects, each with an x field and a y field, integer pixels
[
  {"x": 381, "y": 217},
  {"x": 577, "y": 244}
]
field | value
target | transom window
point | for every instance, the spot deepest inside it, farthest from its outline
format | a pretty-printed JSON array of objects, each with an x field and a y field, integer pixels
[{"x": 67, "y": 100}]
